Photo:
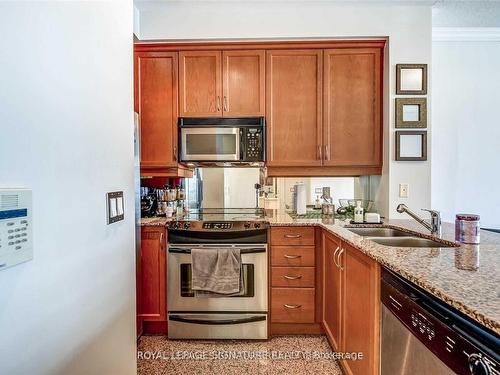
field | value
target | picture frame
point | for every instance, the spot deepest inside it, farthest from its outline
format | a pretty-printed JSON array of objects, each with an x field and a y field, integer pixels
[
  {"x": 411, "y": 145},
  {"x": 411, "y": 113},
  {"x": 411, "y": 79}
]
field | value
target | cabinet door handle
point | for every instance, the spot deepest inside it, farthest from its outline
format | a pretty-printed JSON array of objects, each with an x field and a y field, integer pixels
[
  {"x": 327, "y": 152},
  {"x": 292, "y": 235},
  {"x": 292, "y": 306},
  {"x": 338, "y": 257},
  {"x": 175, "y": 153},
  {"x": 334, "y": 257},
  {"x": 161, "y": 239},
  {"x": 320, "y": 152},
  {"x": 292, "y": 277},
  {"x": 292, "y": 256},
  {"x": 218, "y": 103},
  {"x": 225, "y": 103}
]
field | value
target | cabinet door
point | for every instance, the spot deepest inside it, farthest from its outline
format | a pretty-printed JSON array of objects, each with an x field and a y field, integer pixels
[
  {"x": 361, "y": 310},
  {"x": 156, "y": 103},
  {"x": 293, "y": 107},
  {"x": 200, "y": 84},
  {"x": 153, "y": 306},
  {"x": 332, "y": 291},
  {"x": 352, "y": 102},
  {"x": 243, "y": 83}
]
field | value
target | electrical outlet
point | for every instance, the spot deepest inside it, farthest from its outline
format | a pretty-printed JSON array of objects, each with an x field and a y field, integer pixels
[{"x": 404, "y": 190}]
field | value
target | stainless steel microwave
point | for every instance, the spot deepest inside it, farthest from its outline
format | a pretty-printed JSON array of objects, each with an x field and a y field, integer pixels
[{"x": 222, "y": 141}]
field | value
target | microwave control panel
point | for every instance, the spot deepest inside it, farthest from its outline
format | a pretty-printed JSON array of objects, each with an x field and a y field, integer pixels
[
  {"x": 16, "y": 242},
  {"x": 252, "y": 139}
]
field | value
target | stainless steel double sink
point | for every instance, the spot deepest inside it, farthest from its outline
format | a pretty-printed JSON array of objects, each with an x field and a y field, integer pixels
[{"x": 397, "y": 238}]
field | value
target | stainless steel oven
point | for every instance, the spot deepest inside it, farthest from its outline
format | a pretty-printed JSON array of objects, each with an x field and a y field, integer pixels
[
  {"x": 241, "y": 316},
  {"x": 230, "y": 140}
]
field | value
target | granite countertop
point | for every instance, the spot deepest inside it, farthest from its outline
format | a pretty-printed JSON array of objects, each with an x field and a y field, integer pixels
[{"x": 466, "y": 277}]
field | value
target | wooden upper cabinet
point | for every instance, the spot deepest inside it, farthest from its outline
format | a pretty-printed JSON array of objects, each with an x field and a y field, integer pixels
[
  {"x": 243, "y": 75},
  {"x": 361, "y": 312},
  {"x": 200, "y": 84},
  {"x": 294, "y": 107},
  {"x": 156, "y": 103},
  {"x": 352, "y": 107}
]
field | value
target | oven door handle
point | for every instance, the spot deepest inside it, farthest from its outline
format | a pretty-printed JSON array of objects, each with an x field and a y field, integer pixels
[
  {"x": 177, "y": 250},
  {"x": 251, "y": 319}
]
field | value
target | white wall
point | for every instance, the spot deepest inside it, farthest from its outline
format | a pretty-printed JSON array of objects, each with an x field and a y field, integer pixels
[
  {"x": 66, "y": 131},
  {"x": 407, "y": 27},
  {"x": 239, "y": 187},
  {"x": 466, "y": 132}
]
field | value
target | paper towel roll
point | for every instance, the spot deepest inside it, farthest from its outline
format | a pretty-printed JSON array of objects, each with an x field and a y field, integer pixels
[{"x": 300, "y": 190}]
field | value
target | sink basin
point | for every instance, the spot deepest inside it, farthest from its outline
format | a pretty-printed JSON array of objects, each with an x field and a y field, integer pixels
[
  {"x": 379, "y": 232},
  {"x": 409, "y": 242}
]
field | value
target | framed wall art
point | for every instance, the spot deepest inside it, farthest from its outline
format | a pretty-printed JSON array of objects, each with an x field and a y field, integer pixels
[
  {"x": 411, "y": 79},
  {"x": 411, "y": 145},
  {"x": 411, "y": 112}
]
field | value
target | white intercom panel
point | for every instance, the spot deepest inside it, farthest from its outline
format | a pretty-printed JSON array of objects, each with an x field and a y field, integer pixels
[{"x": 16, "y": 242}]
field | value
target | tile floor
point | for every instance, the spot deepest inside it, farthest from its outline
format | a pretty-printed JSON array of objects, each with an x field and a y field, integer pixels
[{"x": 157, "y": 352}]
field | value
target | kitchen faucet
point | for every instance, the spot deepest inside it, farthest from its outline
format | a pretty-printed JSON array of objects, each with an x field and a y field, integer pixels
[{"x": 434, "y": 226}]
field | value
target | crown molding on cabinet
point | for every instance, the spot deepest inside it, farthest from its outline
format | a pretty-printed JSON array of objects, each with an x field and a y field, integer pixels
[{"x": 466, "y": 34}]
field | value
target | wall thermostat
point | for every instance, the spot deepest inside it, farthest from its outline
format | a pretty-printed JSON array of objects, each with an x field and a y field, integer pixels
[{"x": 16, "y": 242}]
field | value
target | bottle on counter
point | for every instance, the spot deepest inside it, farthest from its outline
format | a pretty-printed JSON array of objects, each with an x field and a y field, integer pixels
[
  {"x": 317, "y": 204},
  {"x": 358, "y": 213}
]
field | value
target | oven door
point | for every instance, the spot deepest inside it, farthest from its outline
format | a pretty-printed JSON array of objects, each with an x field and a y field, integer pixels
[
  {"x": 181, "y": 298},
  {"x": 210, "y": 144}
]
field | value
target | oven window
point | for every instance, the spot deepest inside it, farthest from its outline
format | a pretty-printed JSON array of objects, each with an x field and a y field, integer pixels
[
  {"x": 248, "y": 281},
  {"x": 211, "y": 144}
]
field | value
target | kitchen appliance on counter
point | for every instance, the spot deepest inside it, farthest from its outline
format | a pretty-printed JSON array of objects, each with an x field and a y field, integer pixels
[
  {"x": 222, "y": 141},
  {"x": 243, "y": 316},
  {"x": 423, "y": 335}
]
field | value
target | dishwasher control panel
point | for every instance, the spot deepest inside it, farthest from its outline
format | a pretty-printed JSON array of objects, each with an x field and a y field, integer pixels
[{"x": 16, "y": 242}]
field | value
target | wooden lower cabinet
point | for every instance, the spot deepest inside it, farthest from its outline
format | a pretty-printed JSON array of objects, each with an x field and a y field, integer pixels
[
  {"x": 351, "y": 304},
  {"x": 332, "y": 291},
  {"x": 361, "y": 310},
  {"x": 152, "y": 303}
]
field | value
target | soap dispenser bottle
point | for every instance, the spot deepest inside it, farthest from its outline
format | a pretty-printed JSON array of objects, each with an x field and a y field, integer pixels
[{"x": 358, "y": 213}]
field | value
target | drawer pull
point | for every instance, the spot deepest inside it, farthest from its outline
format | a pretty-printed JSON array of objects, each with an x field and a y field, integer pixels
[
  {"x": 292, "y": 306},
  {"x": 292, "y": 235},
  {"x": 292, "y": 277},
  {"x": 292, "y": 256}
]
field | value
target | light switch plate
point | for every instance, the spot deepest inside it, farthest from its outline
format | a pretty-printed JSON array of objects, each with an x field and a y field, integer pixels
[
  {"x": 404, "y": 190},
  {"x": 114, "y": 206}
]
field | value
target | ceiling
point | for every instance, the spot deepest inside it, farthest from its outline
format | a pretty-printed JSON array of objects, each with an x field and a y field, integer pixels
[{"x": 445, "y": 13}]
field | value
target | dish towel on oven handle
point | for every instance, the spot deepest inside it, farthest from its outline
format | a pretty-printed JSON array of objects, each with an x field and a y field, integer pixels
[{"x": 216, "y": 272}]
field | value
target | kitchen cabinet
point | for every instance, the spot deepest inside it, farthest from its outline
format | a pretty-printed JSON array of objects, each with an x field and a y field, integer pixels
[
  {"x": 152, "y": 305},
  {"x": 295, "y": 298},
  {"x": 200, "y": 84},
  {"x": 352, "y": 126},
  {"x": 351, "y": 304},
  {"x": 243, "y": 74},
  {"x": 294, "y": 107},
  {"x": 156, "y": 95},
  {"x": 222, "y": 83},
  {"x": 332, "y": 291},
  {"x": 361, "y": 310}
]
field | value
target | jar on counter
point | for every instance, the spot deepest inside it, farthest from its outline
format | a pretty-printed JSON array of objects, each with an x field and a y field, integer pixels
[{"x": 467, "y": 229}]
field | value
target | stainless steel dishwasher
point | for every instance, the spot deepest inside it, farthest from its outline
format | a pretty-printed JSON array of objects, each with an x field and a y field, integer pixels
[{"x": 421, "y": 335}]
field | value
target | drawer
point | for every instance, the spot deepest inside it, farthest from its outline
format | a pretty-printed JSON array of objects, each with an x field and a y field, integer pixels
[
  {"x": 292, "y": 305},
  {"x": 294, "y": 256},
  {"x": 292, "y": 236},
  {"x": 298, "y": 277}
]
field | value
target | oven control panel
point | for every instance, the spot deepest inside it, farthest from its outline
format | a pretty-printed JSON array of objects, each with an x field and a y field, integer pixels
[{"x": 218, "y": 225}]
